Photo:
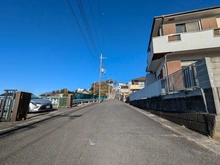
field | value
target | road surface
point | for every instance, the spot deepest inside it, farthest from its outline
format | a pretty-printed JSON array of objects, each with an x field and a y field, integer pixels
[{"x": 109, "y": 133}]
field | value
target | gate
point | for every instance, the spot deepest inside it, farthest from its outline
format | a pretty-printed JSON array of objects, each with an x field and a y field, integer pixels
[{"x": 6, "y": 104}]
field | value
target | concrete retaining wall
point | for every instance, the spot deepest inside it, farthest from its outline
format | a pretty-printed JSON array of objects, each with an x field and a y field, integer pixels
[
  {"x": 207, "y": 124},
  {"x": 187, "y": 111},
  {"x": 173, "y": 103}
]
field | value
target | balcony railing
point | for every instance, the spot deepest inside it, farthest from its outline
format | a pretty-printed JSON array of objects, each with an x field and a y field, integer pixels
[
  {"x": 181, "y": 80},
  {"x": 139, "y": 86}
]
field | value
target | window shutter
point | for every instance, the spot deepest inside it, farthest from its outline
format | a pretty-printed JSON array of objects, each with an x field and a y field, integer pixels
[
  {"x": 169, "y": 29},
  {"x": 209, "y": 23},
  {"x": 205, "y": 23},
  {"x": 213, "y": 23}
]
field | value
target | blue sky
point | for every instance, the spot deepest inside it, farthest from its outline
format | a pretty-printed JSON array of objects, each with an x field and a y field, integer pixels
[{"x": 42, "y": 49}]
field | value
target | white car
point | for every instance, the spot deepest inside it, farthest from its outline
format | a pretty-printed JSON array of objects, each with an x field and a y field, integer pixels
[{"x": 38, "y": 104}]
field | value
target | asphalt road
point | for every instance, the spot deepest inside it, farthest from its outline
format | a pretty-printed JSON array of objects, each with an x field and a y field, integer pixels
[{"x": 110, "y": 133}]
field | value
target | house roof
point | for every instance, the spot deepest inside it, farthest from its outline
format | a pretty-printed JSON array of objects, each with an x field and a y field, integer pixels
[
  {"x": 143, "y": 78},
  {"x": 190, "y": 11}
]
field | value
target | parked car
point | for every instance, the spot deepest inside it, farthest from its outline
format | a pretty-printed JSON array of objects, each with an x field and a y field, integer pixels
[
  {"x": 39, "y": 104},
  {"x": 36, "y": 104}
]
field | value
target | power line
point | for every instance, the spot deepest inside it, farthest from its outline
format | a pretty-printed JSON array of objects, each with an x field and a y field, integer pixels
[
  {"x": 93, "y": 20},
  {"x": 81, "y": 31},
  {"x": 125, "y": 73},
  {"x": 101, "y": 24},
  {"x": 82, "y": 11}
]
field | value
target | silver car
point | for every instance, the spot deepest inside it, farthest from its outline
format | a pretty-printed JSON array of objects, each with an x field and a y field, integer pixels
[{"x": 39, "y": 104}]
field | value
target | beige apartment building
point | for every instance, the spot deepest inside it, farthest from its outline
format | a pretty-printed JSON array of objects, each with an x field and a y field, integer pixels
[{"x": 183, "y": 69}]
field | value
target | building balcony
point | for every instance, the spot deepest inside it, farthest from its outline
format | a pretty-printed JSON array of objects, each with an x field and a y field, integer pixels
[
  {"x": 136, "y": 87},
  {"x": 184, "y": 42}
]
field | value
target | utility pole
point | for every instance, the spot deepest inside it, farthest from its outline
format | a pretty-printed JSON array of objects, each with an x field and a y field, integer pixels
[
  {"x": 93, "y": 91},
  {"x": 100, "y": 76},
  {"x": 108, "y": 90}
]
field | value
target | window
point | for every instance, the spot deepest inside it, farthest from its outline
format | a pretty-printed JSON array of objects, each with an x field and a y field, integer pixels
[
  {"x": 217, "y": 32},
  {"x": 187, "y": 27},
  {"x": 192, "y": 26},
  {"x": 176, "y": 37},
  {"x": 180, "y": 28},
  {"x": 141, "y": 84}
]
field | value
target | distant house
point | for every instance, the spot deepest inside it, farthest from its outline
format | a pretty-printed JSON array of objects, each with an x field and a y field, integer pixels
[
  {"x": 137, "y": 84},
  {"x": 84, "y": 91},
  {"x": 123, "y": 91}
]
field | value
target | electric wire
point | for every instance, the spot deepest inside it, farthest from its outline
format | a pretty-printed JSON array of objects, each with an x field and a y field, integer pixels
[
  {"x": 94, "y": 23},
  {"x": 85, "y": 20},
  {"x": 103, "y": 40},
  {"x": 81, "y": 31},
  {"x": 124, "y": 73}
]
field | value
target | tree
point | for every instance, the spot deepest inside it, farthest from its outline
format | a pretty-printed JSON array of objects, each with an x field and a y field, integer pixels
[{"x": 95, "y": 88}]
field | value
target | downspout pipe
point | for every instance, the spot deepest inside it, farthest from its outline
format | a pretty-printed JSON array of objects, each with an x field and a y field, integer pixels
[{"x": 166, "y": 72}]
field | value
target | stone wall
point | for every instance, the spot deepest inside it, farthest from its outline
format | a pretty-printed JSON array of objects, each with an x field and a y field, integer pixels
[
  {"x": 213, "y": 69},
  {"x": 216, "y": 70},
  {"x": 190, "y": 113},
  {"x": 207, "y": 124},
  {"x": 173, "y": 103}
]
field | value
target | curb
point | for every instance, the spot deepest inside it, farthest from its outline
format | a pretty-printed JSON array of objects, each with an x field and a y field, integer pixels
[
  {"x": 201, "y": 140},
  {"x": 34, "y": 121}
]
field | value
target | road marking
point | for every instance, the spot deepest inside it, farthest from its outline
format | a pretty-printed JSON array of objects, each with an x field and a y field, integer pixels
[{"x": 91, "y": 143}]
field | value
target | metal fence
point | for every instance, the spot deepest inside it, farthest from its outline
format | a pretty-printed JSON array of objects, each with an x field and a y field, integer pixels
[
  {"x": 58, "y": 102},
  {"x": 61, "y": 102},
  {"x": 181, "y": 80},
  {"x": 6, "y": 104}
]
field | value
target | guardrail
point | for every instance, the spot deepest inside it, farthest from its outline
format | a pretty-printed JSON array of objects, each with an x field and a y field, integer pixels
[
  {"x": 81, "y": 101},
  {"x": 61, "y": 102}
]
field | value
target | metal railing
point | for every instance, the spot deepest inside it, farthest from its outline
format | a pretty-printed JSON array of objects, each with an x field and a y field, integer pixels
[
  {"x": 181, "y": 80},
  {"x": 61, "y": 102},
  {"x": 151, "y": 90}
]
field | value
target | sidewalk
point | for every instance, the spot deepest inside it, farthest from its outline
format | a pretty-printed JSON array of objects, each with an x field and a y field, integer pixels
[{"x": 36, "y": 117}]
